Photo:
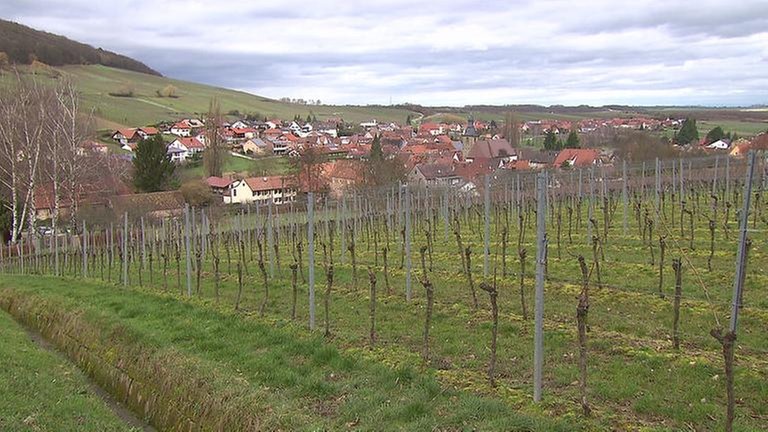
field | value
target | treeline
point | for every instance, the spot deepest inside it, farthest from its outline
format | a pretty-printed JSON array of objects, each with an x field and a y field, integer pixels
[{"x": 24, "y": 45}]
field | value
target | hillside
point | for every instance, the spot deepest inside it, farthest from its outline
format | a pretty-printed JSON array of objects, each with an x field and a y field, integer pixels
[
  {"x": 145, "y": 107},
  {"x": 24, "y": 44}
]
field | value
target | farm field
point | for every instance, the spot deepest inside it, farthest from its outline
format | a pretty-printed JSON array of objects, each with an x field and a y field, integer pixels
[
  {"x": 636, "y": 378},
  {"x": 41, "y": 391}
]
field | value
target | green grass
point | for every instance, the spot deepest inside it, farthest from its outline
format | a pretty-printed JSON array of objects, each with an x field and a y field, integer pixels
[
  {"x": 636, "y": 378},
  {"x": 744, "y": 129},
  {"x": 95, "y": 82},
  {"x": 299, "y": 382},
  {"x": 238, "y": 165},
  {"x": 41, "y": 391}
]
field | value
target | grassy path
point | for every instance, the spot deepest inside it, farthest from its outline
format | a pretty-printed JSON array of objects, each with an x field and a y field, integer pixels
[{"x": 41, "y": 391}]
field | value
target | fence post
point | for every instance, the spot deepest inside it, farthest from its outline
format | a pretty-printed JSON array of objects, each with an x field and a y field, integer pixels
[
  {"x": 624, "y": 197},
  {"x": 85, "y": 250},
  {"x": 541, "y": 244},
  {"x": 487, "y": 239},
  {"x": 187, "y": 251},
  {"x": 311, "y": 256},
  {"x": 125, "y": 249},
  {"x": 408, "y": 292},
  {"x": 738, "y": 283}
]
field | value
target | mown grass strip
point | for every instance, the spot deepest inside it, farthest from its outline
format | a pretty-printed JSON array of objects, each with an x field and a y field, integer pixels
[
  {"x": 41, "y": 391},
  {"x": 189, "y": 366}
]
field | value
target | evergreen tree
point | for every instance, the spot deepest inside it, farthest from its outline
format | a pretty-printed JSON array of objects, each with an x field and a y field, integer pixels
[
  {"x": 715, "y": 134},
  {"x": 688, "y": 132},
  {"x": 377, "y": 155},
  {"x": 152, "y": 166},
  {"x": 573, "y": 140},
  {"x": 408, "y": 120},
  {"x": 550, "y": 141},
  {"x": 309, "y": 118}
]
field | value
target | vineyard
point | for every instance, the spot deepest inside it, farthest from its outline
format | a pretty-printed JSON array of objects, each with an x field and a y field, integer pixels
[{"x": 592, "y": 299}]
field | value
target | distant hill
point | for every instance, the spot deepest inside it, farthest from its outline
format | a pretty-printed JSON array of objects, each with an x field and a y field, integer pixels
[{"x": 23, "y": 45}]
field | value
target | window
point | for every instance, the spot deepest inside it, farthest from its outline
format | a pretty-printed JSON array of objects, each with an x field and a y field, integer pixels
[{"x": 234, "y": 192}]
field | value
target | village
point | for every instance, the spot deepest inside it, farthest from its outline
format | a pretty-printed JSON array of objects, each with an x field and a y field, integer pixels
[
  {"x": 433, "y": 154},
  {"x": 446, "y": 155}
]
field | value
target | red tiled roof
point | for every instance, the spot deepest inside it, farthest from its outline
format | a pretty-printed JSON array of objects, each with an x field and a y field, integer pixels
[
  {"x": 577, "y": 157},
  {"x": 218, "y": 182},
  {"x": 489, "y": 149},
  {"x": 191, "y": 143},
  {"x": 267, "y": 183}
]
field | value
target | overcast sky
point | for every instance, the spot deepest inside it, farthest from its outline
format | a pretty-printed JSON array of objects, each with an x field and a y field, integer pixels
[{"x": 453, "y": 52}]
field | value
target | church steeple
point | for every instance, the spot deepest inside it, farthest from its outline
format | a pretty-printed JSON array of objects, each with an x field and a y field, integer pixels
[{"x": 470, "y": 135}]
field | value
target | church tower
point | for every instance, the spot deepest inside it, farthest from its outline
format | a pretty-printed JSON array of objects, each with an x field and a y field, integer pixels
[{"x": 470, "y": 135}]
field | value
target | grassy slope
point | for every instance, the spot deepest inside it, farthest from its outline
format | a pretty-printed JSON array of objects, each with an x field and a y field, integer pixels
[
  {"x": 95, "y": 82},
  {"x": 307, "y": 384},
  {"x": 146, "y": 107},
  {"x": 43, "y": 392},
  {"x": 234, "y": 164}
]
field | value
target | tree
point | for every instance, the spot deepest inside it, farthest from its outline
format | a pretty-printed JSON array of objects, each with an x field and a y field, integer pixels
[
  {"x": 168, "y": 91},
  {"x": 197, "y": 193},
  {"x": 573, "y": 140},
  {"x": 377, "y": 155},
  {"x": 5, "y": 62},
  {"x": 152, "y": 166},
  {"x": 213, "y": 157},
  {"x": 688, "y": 132},
  {"x": 715, "y": 134},
  {"x": 24, "y": 112},
  {"x": 408, "y": 120},
  {"x": 512, "y": 129},
  {"x": 306, "y": 169},
  {"x": 5, "y": 221},
  {"x": 68, "y": 165},
  {"x": 550, "y": 141}
]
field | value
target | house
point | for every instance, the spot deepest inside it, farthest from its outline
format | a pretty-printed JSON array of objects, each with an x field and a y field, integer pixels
[
  {"x": 435, "y": 174},
  {"x": 219, "y": 185},
  {"x": 369, "y": 124},
  {"x": 181, "y": 129},
  {"x": 239, "y": 124},
  {"x": 719, "y": 145},
  {"x": 742, "y": 147},
  {"x": 92, "y": 147},
  {"x": 283, "y": 144},
  {"x": 575, "y": 158},
  {"x": 183, "y": 148},
  {"x": 343, "y": 175},
  {"x": 430, "y": 129},
  {"x": 261, "y": 190},
  {"x": 243, "y": 133},
  {"x": 93, "y": 191},
  {"x": 500, "y": 151},
  {"x": 258, "y": 146},
  {"x": 133, "y": 135}
]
